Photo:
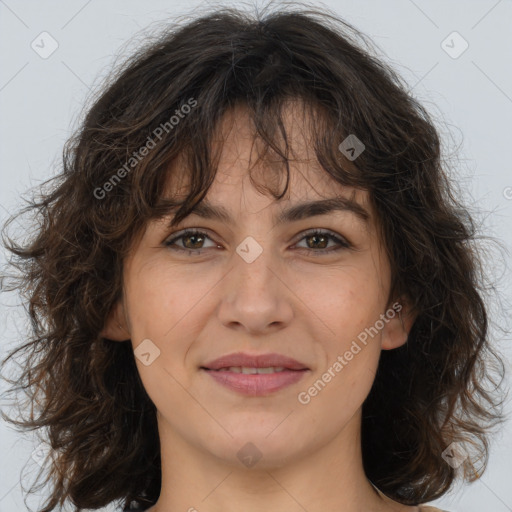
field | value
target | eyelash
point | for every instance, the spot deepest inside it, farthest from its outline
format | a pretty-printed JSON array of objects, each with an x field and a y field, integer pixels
[{"x": 342, "y": 243}]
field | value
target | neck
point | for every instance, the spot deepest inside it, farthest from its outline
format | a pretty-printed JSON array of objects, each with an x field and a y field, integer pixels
[{"x": 330, "y": 477}]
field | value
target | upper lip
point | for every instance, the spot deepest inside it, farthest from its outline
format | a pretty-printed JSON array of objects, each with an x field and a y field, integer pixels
[{"x": 255, "y": 361}]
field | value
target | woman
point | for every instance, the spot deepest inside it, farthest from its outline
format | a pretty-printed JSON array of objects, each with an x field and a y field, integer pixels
[{"x": 252, "y": 287}]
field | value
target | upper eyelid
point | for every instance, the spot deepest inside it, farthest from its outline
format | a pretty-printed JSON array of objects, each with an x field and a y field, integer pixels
[{"x": 181, "y": 232}]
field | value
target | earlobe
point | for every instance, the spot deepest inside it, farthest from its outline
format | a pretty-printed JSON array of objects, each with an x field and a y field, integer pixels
[
  {"x": 115, "y": 327},
  {"x": 397, "y": 329}
]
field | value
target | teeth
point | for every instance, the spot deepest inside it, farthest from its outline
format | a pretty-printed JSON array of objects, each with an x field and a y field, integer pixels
[{"x": 253, "y": 371}]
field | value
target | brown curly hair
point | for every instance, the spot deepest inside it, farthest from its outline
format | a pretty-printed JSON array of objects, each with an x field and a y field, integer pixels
[{"x": 85, "y": 391}]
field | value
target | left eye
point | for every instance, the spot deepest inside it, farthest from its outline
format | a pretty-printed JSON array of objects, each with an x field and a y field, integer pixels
[
  {"x": 322, "y": 238},
  {"x": 319, "y": 237}
]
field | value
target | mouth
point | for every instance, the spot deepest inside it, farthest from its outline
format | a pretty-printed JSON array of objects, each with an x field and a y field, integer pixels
[
  {"x": 277, "y": 362},
  {"x": 255, "y": 375},
  {"x": 247, "y": 370}
]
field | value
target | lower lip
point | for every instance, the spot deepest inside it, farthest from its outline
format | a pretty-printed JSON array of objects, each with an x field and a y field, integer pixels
[{"x": 256, "y": 384}]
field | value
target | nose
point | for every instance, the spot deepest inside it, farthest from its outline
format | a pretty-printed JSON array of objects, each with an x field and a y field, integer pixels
[{"x": 255, "y": 296}]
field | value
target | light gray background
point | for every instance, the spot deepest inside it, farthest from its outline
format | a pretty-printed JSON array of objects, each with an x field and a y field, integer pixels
[{"x": 471, "y": 95}]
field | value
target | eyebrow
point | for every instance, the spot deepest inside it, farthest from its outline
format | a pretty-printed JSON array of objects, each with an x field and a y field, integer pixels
[{"x": 293, "y": 213}]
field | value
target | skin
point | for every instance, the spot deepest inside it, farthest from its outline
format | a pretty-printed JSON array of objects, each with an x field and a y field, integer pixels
[{"x": 197, "y": 306}]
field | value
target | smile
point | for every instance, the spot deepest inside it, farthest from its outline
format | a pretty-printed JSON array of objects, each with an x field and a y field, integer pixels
[{"x": 255, "y": 374}]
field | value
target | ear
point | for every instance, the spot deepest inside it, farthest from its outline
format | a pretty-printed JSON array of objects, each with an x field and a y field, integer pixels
[
  {"x": 397, "y": 329},
  {"x": 116, "y": 327}
]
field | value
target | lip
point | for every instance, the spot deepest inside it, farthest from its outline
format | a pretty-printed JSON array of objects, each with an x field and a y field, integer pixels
[
  {"x": 255, "y": 384},
  {"x": 255, "y": 361}
]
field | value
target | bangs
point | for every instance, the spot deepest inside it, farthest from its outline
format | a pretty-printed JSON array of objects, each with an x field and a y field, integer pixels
[{"x": 185, "y": 179}]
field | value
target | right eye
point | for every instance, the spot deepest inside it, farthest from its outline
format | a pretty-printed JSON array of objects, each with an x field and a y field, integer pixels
[{"x": 193, "y": 237}]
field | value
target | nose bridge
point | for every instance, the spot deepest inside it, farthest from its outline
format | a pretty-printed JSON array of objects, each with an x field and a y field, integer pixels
[
  {"x": 253, "y": 266},
  {"x": 254, "y": 297}
]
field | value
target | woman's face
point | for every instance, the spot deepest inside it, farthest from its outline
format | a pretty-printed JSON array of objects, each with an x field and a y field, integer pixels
[{"x": 260, "y": 282}]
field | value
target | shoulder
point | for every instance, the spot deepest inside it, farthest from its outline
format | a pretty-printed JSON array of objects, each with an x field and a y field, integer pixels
[{"x": 427, "y": 508}]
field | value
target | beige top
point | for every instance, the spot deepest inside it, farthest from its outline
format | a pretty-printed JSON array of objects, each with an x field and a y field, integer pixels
[{"x": 421, "y": 508}]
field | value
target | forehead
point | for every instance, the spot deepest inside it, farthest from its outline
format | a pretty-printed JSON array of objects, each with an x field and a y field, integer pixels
[{"x": 241, "y": 150}]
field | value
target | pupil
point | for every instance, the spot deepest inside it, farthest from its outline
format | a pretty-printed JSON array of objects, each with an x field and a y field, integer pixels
[
  {"x": 317, "y": 237},
  {"x": 191, "y": 237}
]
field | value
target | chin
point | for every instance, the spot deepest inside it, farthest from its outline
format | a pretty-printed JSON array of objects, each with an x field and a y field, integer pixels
[{"x": 257, "y": 448}]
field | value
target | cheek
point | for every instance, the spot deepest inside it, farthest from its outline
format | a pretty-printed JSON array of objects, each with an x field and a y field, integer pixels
[
  {"x": 334, "y": 397},
  {"x": 167, "y": 308},
  {"x": 347, "y": 303},
  {"x": 165, "y": 301},
  {"x": 344, "y": 301}
]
